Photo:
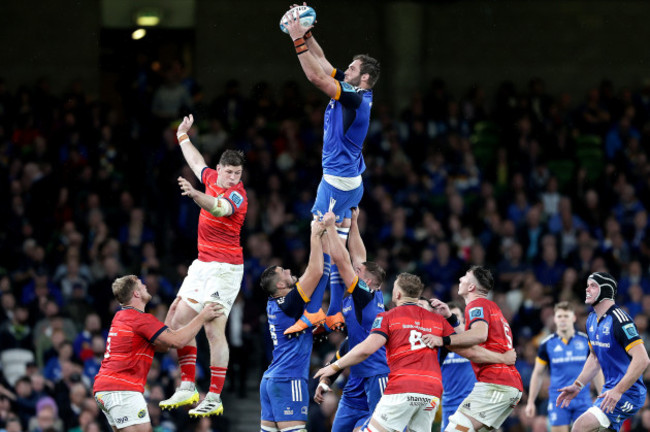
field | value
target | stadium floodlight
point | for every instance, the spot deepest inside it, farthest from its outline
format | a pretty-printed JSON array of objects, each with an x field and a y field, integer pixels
[
  {"x": 138, "y": 34},
  {"x": 148, "y": 17}
]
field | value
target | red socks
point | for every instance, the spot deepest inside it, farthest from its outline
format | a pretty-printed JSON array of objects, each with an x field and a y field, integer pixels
[
  {"x": 217, "y": 378},
  {"x": 187, "y": 362}
]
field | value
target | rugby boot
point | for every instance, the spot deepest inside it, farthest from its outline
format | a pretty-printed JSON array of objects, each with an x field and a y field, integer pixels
[
  {"x": 211, "y": 405},
  {"x": 185, "y": 394},
  {"x": 306, "y": 321},
  {"x": 335, "y": 322}
]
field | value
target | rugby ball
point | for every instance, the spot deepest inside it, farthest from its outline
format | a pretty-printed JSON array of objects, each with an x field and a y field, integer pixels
[{"x": 306, "y": 14}]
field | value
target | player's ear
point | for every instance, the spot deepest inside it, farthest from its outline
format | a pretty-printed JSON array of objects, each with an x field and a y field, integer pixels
[{"x": 365, "y": 77}]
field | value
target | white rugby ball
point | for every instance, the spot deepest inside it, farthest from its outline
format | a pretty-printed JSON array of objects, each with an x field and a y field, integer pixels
[{"x": 306, "y": 14}]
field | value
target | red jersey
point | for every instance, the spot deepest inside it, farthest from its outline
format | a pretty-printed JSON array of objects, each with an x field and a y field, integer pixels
[
  {"x": 499, "y": 340},
  {"x": 414, "y": 368},
  {"x": 129, "y": 351},
  {"x": 219, "y": 236}
]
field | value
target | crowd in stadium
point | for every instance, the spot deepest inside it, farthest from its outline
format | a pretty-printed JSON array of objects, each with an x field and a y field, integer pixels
[{"x": 538, "y": 187}]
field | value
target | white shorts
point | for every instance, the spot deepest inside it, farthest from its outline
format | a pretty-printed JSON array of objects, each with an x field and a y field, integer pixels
[
  {"x": 211, "y": 282},
  {"x": 394, "y": 412},
  {"x": 123, "y": 408},
  {"x": 490, "y": 404}
]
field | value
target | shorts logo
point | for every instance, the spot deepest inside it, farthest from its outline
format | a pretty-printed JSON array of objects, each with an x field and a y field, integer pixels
[
  {"x": 630, "y": 331},
  {"x": 236, "y": 198},
  {"x": 476, "y": 312},
  {"x": 303, "y": 410},
  {"x": 467, "y": 405},
  {"x": 215, "y": 295},
  {"x": 121, "y": 420},
  {"x": 288, "y": 411},
  {"x": 141, "y": 413},
  {"x": 377, "y": 322},
  {"x": 431, "y": 406},
  {"x": 627, "y": 407}
]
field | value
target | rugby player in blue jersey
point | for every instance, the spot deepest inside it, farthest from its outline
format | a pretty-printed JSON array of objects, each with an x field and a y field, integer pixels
[
  {"x": 283, "y": 391},
  {"x": 565, "y": 353},
  {"x": 362, "y": 302},
  {"x": 346, "y": 123},
  {"x": 353, "y": 406},
  {"x": 617, "y": 348}
]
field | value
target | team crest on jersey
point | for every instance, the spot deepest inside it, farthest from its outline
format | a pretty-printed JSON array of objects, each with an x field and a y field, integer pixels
[
  {"x": 236, "y": 198},
  {"x": 377, "y": 322},
  {"x": 303, "y": 410},
  {"x": 606, "y": 329},
  {"x": 630, "y": 331},
  {"x": 141, "y": 413},
  {"x": 476, "y": 312}
]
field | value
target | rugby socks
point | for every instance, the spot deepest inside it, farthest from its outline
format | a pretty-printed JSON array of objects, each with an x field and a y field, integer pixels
[
  {"x": 187, "y": 362},
  {"x": 217, "y": 378},
  {"x": 316, "y": 300},
  {"x": 337, "y": 287}
]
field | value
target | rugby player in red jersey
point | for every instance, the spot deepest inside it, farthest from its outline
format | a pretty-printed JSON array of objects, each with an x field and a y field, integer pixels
[
  {"x": 132, "y": 339},
  {"x": 499, "y": 388},
  {"x": 216, "y": 275}
]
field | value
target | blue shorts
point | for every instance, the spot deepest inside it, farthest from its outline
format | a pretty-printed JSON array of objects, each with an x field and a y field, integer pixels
[
  {"x": 626, "y": 407},
  {"x": 284, "y": 399},
  {"x": 353, "y": 408},
  {"x": 375, "y": 386},
  {"x": 345, "y": 200},
  {"x": 566, "y": 416},
  {"x": 347, "y": 416}
]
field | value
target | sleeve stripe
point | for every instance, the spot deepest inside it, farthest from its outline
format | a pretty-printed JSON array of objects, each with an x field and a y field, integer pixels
[
  {"x": 353, "y": 285},
  {"x": 379, "y": 332},
  {"x": 333, "y": 74},
  {"x": 202, "y": 172},
  {"x": 477, "y": 320},
  {"x": 633, "y": 344},
  {"x": 540, "y": 361},
  {"x": 620, "y": 315},
  {"x": 337, "y": 96},
  {"x": 338, "y": 355},
  {"x": 304, "y": 296},
  {"x": 155, "y": 336}
]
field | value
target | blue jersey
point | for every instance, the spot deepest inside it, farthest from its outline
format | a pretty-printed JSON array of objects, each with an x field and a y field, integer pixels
[
  {"x": 360, "y": 309},
  {"x": 611, "y": 338},
  {"x": 565, "y": 359},
  {"x": 290, "y": 356},
  {"x": 458, "y": 378},
  {"x": 347, "y": 118}
]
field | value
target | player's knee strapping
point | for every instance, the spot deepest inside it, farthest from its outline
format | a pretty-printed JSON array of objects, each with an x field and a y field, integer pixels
[
  {"x": 343, "y": 232},
  {"x": 459, "y": 422},
  {"x": 268, "y": 429},
  {"x": 300, "y": 428},
  {"x": 600, "y": 416}
]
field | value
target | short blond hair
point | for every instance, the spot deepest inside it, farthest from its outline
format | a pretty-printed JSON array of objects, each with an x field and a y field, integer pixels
[
  {"x": 123, "y": 288},
  {"x": 410, "y": 284}
]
